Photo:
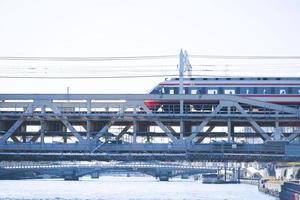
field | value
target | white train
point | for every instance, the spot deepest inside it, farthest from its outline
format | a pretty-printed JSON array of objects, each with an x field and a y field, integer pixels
[{"x": 279, "y": 90}]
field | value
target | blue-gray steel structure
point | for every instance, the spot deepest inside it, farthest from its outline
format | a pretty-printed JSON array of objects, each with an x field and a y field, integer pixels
[{"x": 180, "y": 136}]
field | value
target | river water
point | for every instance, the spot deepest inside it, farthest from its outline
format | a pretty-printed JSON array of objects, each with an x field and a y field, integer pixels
[{"x": 118, "y": 188}]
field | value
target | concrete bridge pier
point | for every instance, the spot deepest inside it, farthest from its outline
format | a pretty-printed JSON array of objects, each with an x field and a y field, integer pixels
[
  {"x": 184, "y": 176},
  {"x": 71, "y": 176},
  {"x": 164, "y": 175},
  {"x": 95, "y": 175}
]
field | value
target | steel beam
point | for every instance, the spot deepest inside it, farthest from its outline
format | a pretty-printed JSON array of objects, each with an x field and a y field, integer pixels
[
  {"x": 204, "y": 123},
  {"x": 17, "y": 124}
]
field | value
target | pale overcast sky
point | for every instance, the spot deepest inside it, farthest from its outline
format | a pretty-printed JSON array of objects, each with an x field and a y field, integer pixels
[{"x": 137, "y": 27}]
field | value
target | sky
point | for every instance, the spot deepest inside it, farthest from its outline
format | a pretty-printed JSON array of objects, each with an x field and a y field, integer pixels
[{"x": 136, "y": 28}]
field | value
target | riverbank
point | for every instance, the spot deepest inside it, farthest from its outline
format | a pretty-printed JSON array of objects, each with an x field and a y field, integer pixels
[
  {"x": 249, "y": 181},
  {"x": 270, "y": 186}
]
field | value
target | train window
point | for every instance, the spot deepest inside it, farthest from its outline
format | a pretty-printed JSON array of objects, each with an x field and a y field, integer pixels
[
  {"x": 171, "y": 91},
  {"x": 272, "y": 90},
  {"x": 245, "y": 90},
  {"x": 229, "y": 91},
  {"x": 212, "y": 91},
  {"x": 255, "y": 90},
  {"x": 295, "y": 90},
  {"x": 176, "y": 90},
  {"x": 264, "y": 90},
  {"x": 162, "y": 90},
  {"x": 221, "y": 90},
  {"x": 201, "y": 90},
  {"x": 193, "y": 91},
  {"x": 282, "y": 91}
]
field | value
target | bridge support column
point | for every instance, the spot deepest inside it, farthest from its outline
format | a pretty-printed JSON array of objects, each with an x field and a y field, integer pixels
[
  {"x": 229, "y": 129},
  {"x": 42, "y": 131},
  {"x": 22, "y": 129},
  {"x": 143, "y": 127},
  {"x": 187, "y": 128},
  {"x": 181, "y": 129},
  {"x": 71, "y": 178},
  {"x": 277, "y": 131},
  {"x": 95, "y": 175},
  {"x": 134, "y": 131},
  {"x": 88, "y": 122},
  {"x": 184, "y": 176},
  {"x": 164, "y": 175},
  {"x": 163, "y": 178}
]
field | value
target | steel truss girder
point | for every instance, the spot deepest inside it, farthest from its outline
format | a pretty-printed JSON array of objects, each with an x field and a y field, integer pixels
[
  {"x": 29, "y": 111},
  {"x": 140, "y": 111},
  {"x": 17, "y": 124}
]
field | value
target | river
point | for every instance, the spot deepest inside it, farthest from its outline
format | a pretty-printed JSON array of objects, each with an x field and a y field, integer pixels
[{"x": 118, "y": 188}]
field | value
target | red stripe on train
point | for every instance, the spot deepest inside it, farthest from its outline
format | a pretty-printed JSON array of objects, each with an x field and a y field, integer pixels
[{"x": 262, "y": 84}]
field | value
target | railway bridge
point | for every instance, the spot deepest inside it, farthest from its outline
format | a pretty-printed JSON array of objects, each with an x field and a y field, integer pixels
[{"x": 122, "y": 127}]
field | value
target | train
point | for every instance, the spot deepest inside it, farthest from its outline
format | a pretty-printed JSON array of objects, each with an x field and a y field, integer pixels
[{"x": 278, "y": 90}]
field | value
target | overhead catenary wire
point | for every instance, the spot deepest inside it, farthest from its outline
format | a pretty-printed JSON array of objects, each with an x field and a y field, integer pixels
[
  {"x": 108, "y": 58},
  {"x": 144, "y": 57},
  {"x": 119, "y": 77},
  {"x": 250, "y": 57},
  {"x": 87, "y": 77},
  {"x": 104, "y": 70}
]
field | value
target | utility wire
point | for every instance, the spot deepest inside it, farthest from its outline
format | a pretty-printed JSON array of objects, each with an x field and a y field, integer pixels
[
  {"x": 88, "y": 58},
  {"x": 122, "y": 76},
  {"x": 86, "y": 77},
  {"x": 141, "y": 57},
  {"x": 245, "y": 57}
]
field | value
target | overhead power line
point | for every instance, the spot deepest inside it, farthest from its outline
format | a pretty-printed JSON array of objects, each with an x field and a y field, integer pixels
[
  {"x": 88, "y": 58},
  {"x": 245, "y": 57},
  {"x": 86, "y": 77},
  {"x": 119, "y": 76},
  {"x": 108, "y": 58}
]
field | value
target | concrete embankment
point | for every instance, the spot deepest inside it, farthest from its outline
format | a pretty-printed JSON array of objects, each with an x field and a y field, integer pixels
[
  {"x": 270, "y": 187},
  {"x": 249, "y": 181}
]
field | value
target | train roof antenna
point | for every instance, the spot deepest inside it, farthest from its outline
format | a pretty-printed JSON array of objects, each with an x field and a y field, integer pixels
[
  {"x": 181, "y": 71},
  {"x": 184, "y": 65},
  {"x": 188, "y": 66}
]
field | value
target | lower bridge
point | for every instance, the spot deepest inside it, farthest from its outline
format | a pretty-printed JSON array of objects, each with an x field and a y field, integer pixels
[{"x": 74, "y": 171}]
